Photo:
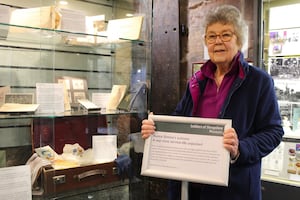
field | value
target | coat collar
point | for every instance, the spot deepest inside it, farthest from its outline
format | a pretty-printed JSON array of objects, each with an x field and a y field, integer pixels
[{"x": 198, "y": 81}]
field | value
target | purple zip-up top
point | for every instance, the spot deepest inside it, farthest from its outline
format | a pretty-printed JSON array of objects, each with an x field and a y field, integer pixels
[{"x": 213, "y": 97}]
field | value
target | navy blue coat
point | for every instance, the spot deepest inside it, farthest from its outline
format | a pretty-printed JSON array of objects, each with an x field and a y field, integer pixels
[{"x": 252, "y": 105}]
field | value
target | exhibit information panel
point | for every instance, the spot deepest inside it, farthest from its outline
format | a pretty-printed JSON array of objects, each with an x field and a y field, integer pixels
[{"x": 188, "y": 149}]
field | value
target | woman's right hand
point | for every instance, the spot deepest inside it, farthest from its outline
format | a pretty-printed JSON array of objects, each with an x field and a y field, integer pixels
[{"x": 148, "y": 128}]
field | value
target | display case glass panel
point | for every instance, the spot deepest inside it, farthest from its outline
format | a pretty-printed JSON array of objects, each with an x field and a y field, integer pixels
[
  {"x": 62, "y": 63},
  {"x": 281, "y": 59}
]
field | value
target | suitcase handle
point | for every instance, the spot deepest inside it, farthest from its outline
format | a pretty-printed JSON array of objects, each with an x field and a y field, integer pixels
[{"x": 90, "y": 173}]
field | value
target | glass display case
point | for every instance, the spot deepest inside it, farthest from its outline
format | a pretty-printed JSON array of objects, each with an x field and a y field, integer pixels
[
  {"x": 281, "y": 58},
  {"x": 71, "y": 71}
]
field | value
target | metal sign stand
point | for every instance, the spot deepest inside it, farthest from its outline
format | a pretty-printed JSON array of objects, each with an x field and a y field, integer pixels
[{"x": 184, "y": 190}]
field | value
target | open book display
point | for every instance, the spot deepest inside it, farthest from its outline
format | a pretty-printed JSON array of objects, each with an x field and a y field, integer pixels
[
  {"x": 88, "y": 105},
  {"x": 18, "y": 108},
  {"x": 18, "y": 103}
]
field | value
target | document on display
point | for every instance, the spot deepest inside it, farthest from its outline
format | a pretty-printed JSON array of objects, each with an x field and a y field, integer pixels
[
  {"x": 16, "y": 183},
  {"x": 50, "y": 97},
  {"x": 187, "y": 149}
]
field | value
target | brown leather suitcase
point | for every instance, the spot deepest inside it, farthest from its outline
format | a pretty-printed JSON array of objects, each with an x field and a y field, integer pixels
[
  {"x": 74, "y": 129},
  {"x": 64, "y": 180}
]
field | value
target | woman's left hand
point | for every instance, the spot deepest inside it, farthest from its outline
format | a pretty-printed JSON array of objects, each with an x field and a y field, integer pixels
[{"x": 231, "y": 142}]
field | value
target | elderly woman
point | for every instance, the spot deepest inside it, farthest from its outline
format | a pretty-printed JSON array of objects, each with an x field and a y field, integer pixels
[{"x": 228, "y": 87}]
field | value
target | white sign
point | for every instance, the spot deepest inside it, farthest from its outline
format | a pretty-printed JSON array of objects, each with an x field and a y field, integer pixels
[
  {"x": 15, "y": 183},
  {"x": 187, "y": 149}
]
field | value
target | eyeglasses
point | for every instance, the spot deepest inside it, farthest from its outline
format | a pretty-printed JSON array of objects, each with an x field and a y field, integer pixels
[{"x": 224, "y": 36}]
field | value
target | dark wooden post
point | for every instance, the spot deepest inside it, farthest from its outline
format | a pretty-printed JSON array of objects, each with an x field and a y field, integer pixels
[{"x": 165, "y": 57}]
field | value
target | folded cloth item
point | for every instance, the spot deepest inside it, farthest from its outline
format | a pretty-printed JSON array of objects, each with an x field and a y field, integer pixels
[{"x": 124, "y": 166}]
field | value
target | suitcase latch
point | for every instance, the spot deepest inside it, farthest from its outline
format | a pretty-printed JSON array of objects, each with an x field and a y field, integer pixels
[
  {"x": 115, "y": 171},
  {"x": 59, "y": 179}
]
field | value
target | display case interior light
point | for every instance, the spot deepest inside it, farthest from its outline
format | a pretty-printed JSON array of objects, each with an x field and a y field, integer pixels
[
  {"x": 63, "y": 2},
  {"x": 129, "y": 15}
]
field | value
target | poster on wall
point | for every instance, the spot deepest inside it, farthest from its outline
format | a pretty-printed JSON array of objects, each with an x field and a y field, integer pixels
[
  {"x": 285, "y": 67},
  {"x": 280, "y": 16},
  {"x": 288, "y": 95},
  {"x": 287, "y": 90},
  {"x": 284, "y": 42}
]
